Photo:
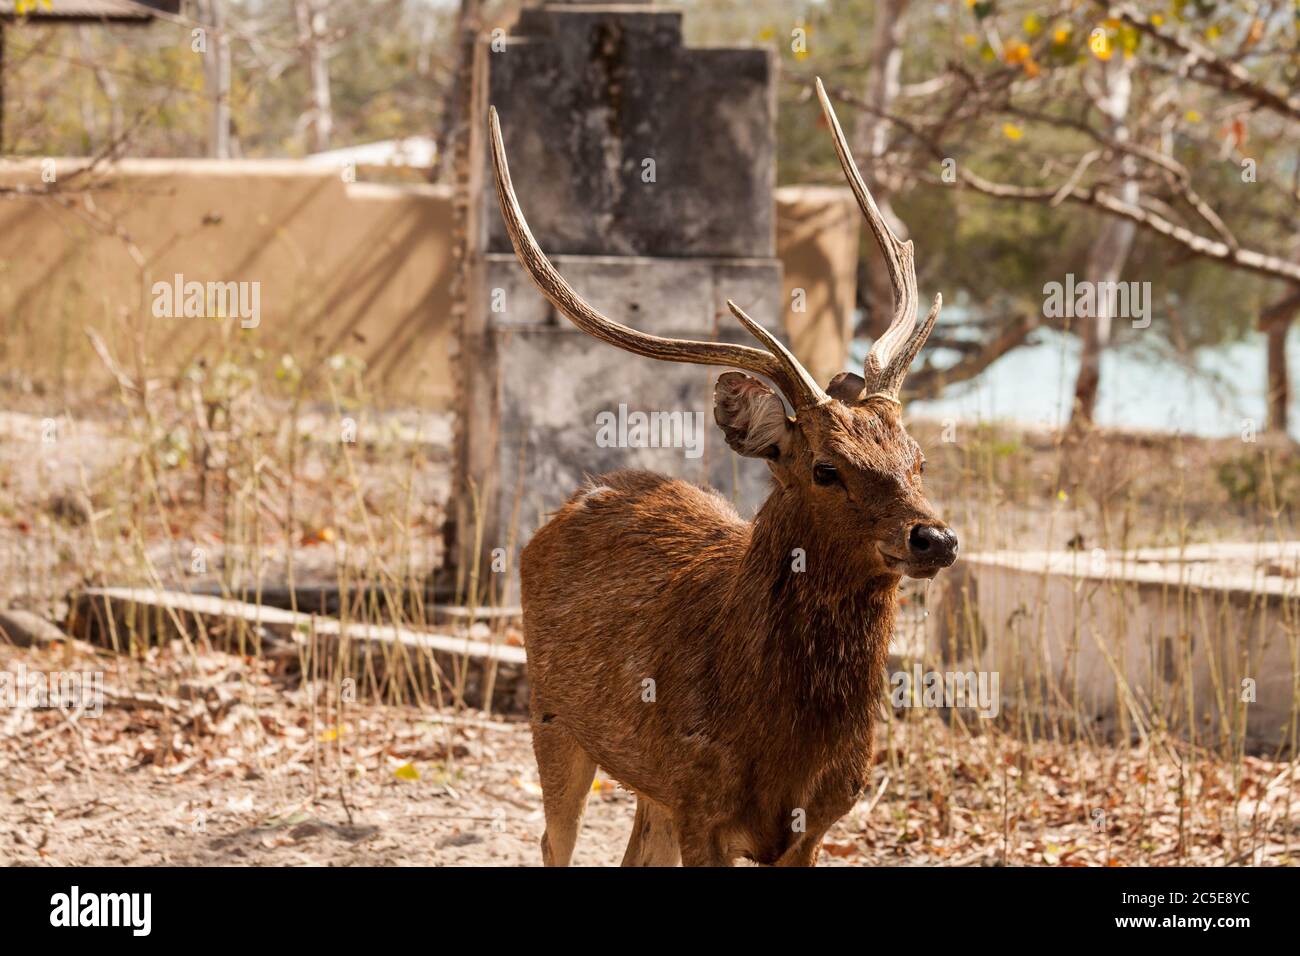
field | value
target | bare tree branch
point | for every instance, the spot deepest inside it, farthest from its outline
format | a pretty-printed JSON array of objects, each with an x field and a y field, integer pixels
[
  {"x": 928, "y": 381},
  {"x": 1095, "y": 197},
  {"x": 1222, "y": 73}
]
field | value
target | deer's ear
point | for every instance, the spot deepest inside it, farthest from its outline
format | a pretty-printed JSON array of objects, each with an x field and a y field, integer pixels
[
  {"x": 751, "y": 415},
  {"x": 846, "y": 387}
]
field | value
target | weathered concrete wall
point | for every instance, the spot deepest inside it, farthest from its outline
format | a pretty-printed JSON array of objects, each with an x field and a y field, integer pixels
[
  {"x": 646, "y": 170},
  {"x": 356, "y": 268},
  {"x": 1113, "y": 644},
  {"x": 555, "y": 384},
  {"x": 589, "y": 96}
]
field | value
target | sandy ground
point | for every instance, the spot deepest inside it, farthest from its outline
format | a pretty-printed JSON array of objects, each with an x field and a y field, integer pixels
[
  {"x": 210, "y": 759},
  {"x": 476, "y": 814},
  {"x": 422, "y": 789}
]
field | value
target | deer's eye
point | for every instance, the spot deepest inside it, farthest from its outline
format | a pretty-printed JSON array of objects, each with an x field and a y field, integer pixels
[{"x": 825, "y": 474}]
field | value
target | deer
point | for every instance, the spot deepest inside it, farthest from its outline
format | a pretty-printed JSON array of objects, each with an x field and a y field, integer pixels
[{"x": 730, "y": 673}]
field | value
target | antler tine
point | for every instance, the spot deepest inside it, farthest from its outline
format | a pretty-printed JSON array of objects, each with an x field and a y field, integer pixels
[
  {"x": 892, "y": 383},
  {"x": 779, "y": 366},
  {"x": 892, "y": 353},
  {"x": 810, "y": 393}
]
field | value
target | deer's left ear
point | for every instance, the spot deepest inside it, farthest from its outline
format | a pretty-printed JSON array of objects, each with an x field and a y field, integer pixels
[
  {"x": 846, "y": 387},
  {"x": 751, "y": 415}
]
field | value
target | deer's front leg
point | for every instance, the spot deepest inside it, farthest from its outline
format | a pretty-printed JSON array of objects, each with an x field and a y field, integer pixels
[
  {"x": 833, "y": 803},
  {"x": 805, "y": 851},
  {"x": 700, "y": 846}
]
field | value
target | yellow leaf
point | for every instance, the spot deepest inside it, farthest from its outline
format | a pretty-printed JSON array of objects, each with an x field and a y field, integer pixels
[
  {"x": 1015, "y": 52},
  {"x": 1032, "y": 25},
  {"x": 1012, "y": 132},
  {"x": 1192, "y": 116},
  {"x": 406, "y": 772},
  {"x": 1129, "y": 40},
  {"x": 334, "y": 733},
  {"x": 1157, "y": 19},
  {"x": 1099, "y": 44}
]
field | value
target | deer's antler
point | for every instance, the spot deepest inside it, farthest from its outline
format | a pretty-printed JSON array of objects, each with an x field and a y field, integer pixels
[
  {"x": 776, "y": 362},
  {"x": 891, "y": 355}
]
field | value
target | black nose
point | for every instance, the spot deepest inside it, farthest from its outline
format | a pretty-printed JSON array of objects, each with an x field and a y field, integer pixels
[{"x": 933, "y": 544}]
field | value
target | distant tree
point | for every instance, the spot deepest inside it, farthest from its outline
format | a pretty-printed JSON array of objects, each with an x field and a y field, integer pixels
[
  {"x": 235, "y": 78},
  {"x": 212, "y": 42},
  {"x": 1167, "y": 124},
  {"x": 313, "y": 36}
]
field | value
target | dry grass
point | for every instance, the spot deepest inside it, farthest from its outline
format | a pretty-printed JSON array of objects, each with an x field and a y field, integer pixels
[
  {"x": 236, "y": 476},
  {"x": 250, "y": 766}
]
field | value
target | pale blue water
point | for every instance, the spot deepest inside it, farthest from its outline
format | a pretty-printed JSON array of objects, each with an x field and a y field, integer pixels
[{"x": 1140, "y": 388}]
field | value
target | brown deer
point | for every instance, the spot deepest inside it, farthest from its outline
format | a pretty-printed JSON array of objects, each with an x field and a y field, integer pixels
[{"x": 729, "y": 672}]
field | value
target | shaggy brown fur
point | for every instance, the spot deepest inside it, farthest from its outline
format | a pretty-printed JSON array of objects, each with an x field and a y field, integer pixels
[{"x": 727, "y": 671}]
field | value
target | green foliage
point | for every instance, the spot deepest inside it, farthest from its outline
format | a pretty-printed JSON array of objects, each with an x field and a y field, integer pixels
[{"x": 1251, "y": 480}]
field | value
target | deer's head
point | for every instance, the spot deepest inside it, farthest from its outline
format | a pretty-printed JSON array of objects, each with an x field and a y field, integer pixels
[{"x": 844, "y": 452}]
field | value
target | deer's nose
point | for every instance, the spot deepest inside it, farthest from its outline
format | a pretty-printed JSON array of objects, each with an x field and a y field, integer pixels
[{"x": 932, "y": 544}]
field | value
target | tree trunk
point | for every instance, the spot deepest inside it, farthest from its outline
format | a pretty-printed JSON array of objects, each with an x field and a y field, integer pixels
[
  {"x": 312, "y": 28},
  {"x": 86, "y": 101},
  {"x": 216, "y": 74},
  {"x": 1105, "y": 264},
  {"x": 1279, "y": 388},
  {"x": 1276, "y": 322},
  {"x": 107, "y": 85},
  {"x": 872, "y": 137},
  {"x": 1110, "y": 249},
  {"x": 2, "y": 86}
]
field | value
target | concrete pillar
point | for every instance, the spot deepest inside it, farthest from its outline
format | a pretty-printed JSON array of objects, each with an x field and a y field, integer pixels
[{"x": 646, "y": 170}]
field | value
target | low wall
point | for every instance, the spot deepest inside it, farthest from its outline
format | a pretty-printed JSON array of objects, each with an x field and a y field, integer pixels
[
  {"x": 362, "y": 269},
  {"x": 1200, "y": 642},
  {"x": 817, "y": 242},
  {"x": 357, "y": 268}
]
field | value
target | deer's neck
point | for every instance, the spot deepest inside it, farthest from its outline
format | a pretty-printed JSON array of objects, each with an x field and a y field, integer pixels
[{"x": 818, "y": 623}]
